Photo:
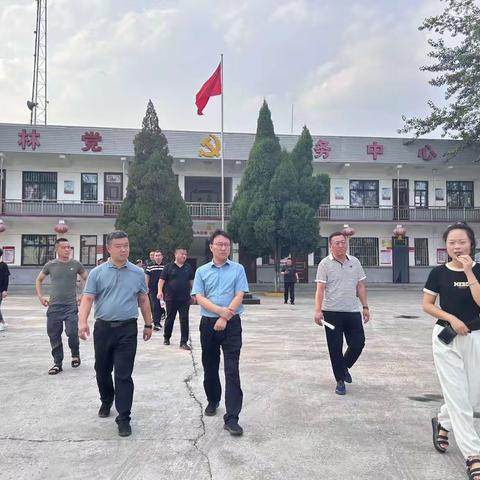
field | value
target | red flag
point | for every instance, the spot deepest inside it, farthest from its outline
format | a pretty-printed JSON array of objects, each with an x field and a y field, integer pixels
[{"x": 212, "y": 87}]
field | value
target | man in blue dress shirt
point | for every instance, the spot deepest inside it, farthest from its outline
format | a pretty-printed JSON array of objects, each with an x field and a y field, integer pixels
[
  {"x": 118, "y": 288},
  {"x": 219, "y": 287}
]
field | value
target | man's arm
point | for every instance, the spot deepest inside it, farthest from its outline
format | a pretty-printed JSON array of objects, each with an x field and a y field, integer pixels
[
  {"x": 144, "y": 304},
  {"x": 207, "y": 304},
  {"x": 236, "y": 301},
  {"x": 362, "y": 295},
  {"x": 83, "y": 313},
  {"x": 147, "y": 279},
  {"x": 161, "y": 283},
  {"x": 38, "y": 288},
  {"x": 319, "y": 295}
]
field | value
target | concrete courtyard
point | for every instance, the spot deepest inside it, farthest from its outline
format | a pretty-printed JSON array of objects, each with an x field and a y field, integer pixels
[{"x": 295, "y": 426}]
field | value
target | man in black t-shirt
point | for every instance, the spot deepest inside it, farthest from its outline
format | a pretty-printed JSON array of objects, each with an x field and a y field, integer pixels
[
  {"x": 290, "y": 277},
  {"x": 152, "y": 276},
  {"x": 174, "y": 286}
]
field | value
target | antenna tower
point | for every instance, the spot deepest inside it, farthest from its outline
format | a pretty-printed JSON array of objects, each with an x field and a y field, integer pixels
[{"x": 38, "y": 103}]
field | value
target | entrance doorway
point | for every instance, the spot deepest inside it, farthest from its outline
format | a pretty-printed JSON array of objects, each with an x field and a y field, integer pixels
[
  {"x": 400, "y": 200},
  {"x": 401, "y": 270},
  {"x": 112, "y": 192}
]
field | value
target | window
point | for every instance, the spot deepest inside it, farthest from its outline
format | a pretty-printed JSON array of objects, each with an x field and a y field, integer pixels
[
  {"x": 90, "y": 186},
  {"x": 459, "y": 194},
  {"x": 421, "y": 194},
  {"x": 321, "y": 252},
  {"x": 421, "y": 252},
  {"x": 364, "y": 193},
  {"x": 365, "y": 249},
  {"x": 88, "y": 249},
  {"x": 40, "y": 186},
  {"x": 38, "y": 249}
]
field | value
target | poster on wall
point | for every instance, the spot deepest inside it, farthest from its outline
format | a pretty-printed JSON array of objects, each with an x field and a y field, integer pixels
[
  {"x": 439, "y": 194},
  {"x": 386, "y": 193},
  {"x": 9, "y": 254},
  {"x": 339, "y": 195},
  {"x": 442, "y": 256},
  {"x": 68, "y": 187},
  {"x": 386, "y": 252}
]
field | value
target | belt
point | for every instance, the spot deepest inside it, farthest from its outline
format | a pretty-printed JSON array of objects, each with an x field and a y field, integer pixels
[
  {"x": 443, "y": 323},
  {"x": 115, "y": 323}
]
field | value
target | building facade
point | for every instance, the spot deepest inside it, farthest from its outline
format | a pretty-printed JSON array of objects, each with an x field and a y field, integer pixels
[{"x": 395, "y": 197}]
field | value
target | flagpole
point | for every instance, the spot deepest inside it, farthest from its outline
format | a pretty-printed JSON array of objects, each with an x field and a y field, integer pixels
[{"x": 222, "y": 150}]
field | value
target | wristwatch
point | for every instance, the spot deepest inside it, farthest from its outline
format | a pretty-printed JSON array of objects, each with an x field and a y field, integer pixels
[
  {"x": 148, "y": 326},
  {"x": 365, "y": 307}
]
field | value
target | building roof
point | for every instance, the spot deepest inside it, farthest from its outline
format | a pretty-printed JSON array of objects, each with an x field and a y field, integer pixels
[{"x": 60, "y": 139}]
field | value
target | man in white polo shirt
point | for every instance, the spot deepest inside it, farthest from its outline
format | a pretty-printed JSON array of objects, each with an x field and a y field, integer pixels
[{"x": 340, "y": 286}]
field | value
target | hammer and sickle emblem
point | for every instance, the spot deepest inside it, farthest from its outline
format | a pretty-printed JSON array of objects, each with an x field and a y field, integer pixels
[{"x": 210, "y": 147}]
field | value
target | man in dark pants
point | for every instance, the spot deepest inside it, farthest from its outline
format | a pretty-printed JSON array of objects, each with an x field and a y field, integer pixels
[
  {"x": 118, "y": 287},
  {"x": 62, "y": 304},
  {"x": 340, "y": 278},
  {"x": 174, "y": 288},
  {"x": 290, "y": 277},
  {"x": 152, "y": 276},
  {"x": 4, "y": 278},
  {"x": 219, "y": 287}
]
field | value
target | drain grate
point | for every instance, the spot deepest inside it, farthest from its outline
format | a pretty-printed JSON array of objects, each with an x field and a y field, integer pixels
[
  {"x": 407, "y": 316},
  {"x": 428, "y": 397}
]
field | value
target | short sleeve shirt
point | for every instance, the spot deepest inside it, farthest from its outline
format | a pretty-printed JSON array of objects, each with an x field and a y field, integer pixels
[
  {"x": 154, "y": 272},
  {"x": 64, "y": 281},
  {"x": 220, "y": 284},
  {"x": 116, "y": 290},
  {"x": 290, "y": 274},
  {"x": 340, "y": 281},
  {"x": 452, "y": 287},
  {"x": 177, "y": 282}
]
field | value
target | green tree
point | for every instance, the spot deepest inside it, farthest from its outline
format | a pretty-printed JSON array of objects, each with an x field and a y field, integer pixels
[
  {"x": 457, "y": 69},
  {"x": 153, "y": 212},
  {"x": 272, "y": 212}
]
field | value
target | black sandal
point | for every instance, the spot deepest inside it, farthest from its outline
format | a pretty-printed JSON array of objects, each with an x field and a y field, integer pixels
[
  {"x": 440, "y": 442},
  {"x": 473, "y": 473},
  {"x": 55, "y": 369},
  {"x": 76, "y": 362}
]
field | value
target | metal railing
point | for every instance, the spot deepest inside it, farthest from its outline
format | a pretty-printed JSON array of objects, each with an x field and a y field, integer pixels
[
  {"x": 409, "y": 214},
  {"x": 208, "y": 210},
  {"x": 71, "y": 208}
]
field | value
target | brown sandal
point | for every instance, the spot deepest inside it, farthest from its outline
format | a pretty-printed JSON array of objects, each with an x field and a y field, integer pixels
[
  {"x": 473, "y": 473},
  {"x": 76, "y": 362},
  {"x": 55, "y": 369}
]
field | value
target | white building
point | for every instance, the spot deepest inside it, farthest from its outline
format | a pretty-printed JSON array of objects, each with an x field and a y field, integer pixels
[{"x": 79, "y": 175}]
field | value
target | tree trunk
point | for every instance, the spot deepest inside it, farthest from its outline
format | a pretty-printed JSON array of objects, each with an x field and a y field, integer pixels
[{"x": 276, "y": 258}]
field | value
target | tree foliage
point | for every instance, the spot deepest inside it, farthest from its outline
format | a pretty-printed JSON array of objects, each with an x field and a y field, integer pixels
[
  {"x": 455, "y": 51},
  {"x": 274, "y": 209},
  {"x": 153, "y": 212}
]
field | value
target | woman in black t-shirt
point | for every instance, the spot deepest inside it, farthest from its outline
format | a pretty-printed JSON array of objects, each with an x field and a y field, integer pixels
[{"x": 457, "y": 362}]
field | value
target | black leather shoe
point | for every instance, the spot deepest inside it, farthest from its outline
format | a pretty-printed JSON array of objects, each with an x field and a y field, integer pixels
[
  {"x": 166, "y": 341},
  {"x": 157, "y": 327},
  {"x": 185, "y": 346},
  {"x": 104, "y": 411},
  {"x": 124, "y": 428},
  {"x": 211, "y": 409},
  {"x": 234, "y": 429}
]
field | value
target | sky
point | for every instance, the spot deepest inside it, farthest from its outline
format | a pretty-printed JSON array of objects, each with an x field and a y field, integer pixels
[{"x": 347, "y": 67}]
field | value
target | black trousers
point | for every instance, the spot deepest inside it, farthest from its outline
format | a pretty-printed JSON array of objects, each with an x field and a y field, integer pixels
[
  {"x": 289, "y": 286},
  {"x": 348, "y": 324},
  {"x": 230, "y": 340},
  {"x": 157, "y": 310},
  {"x": 115, "y": 346},
  {"x": 182, "y": 309},
  {"x": 57, "y": 315}
]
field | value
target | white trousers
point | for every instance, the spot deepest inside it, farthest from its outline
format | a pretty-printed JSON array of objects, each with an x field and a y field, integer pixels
[{"x": 458, "y": 369}]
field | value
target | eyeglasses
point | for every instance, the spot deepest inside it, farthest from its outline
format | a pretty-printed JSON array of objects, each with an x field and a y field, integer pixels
[{"x": 221, "y": 245}]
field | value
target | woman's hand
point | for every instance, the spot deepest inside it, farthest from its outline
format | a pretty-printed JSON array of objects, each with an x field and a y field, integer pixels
[{"x": 466, "y": 261}]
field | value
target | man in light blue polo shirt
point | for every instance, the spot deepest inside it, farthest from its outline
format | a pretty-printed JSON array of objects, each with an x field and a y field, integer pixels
[
  {"x": 219, "y": 287},
  {"x": 118, "y": 287}
]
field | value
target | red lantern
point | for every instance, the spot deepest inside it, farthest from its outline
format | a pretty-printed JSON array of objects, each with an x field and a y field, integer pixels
[
  {"x": 3, "y": 227},
  {"x": 399, "y": 231},
  {"x": 348, "y": 231},
  {"x": 61, "y": 227}
]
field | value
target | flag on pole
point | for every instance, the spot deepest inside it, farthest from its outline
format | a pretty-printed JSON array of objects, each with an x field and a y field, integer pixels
[{"x": 211, "y": 88}]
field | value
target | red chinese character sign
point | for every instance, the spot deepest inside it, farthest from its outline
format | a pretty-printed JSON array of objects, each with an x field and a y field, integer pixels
[
  {"x": 375, "y": 150},
  {"x": 29, "y": 139},
  {"x": 91, "y": 140},
  {"x": 427, "y": 152},
  {"x": 322, "y": 149}
]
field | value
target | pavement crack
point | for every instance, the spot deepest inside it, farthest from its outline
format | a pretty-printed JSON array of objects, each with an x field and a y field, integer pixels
[{"x": 202, "y": 432}]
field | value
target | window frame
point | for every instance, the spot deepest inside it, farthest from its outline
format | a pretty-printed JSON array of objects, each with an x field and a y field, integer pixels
[
  {"x": 421, "y": 257},
  {"x": 89, "y": 247},
  {"x": 40, "y": 184},
  {"x": 366, "y": 259},
  {"x": 461, "y": 199},
  {"x": 425, "y": 191},
  {"x": 362, "y": 191},
  {"x": 48, "y": 243},
  {"x": 82, "y": 187}
]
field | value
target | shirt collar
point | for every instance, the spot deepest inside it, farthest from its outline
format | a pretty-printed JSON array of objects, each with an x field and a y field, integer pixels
[
  {"x": 111, "y": 265},
  {"x": 228, "y": 262},
  {"x": 331, "y": 257}
]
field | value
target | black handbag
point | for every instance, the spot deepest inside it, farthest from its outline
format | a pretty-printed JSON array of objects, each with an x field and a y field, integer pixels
[{"x": 447, "y": 335}]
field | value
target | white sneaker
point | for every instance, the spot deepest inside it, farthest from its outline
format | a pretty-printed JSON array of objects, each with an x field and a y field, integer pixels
[{"x": 3, "y": 326}]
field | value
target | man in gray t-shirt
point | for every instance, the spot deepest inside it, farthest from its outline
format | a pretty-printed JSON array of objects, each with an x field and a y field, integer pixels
[
  {"x": 62, "y": 304},
  {"x": 340, "y": 287}
]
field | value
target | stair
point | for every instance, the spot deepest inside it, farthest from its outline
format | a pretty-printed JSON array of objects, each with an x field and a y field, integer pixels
[{"x": 249, "y": 299}]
